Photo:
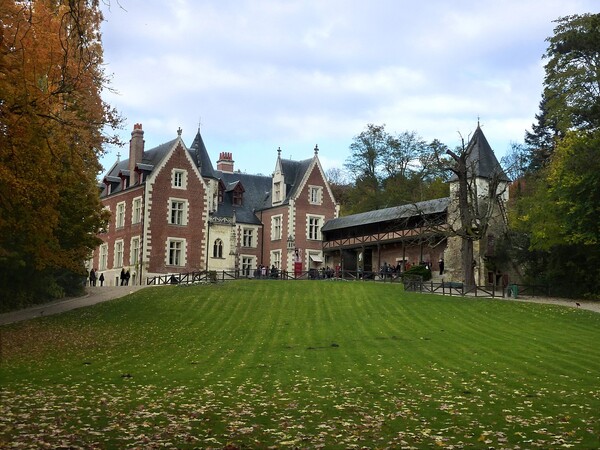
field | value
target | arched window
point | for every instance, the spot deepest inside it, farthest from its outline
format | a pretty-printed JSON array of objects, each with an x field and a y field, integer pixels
[{"x": 218, "y": 249}]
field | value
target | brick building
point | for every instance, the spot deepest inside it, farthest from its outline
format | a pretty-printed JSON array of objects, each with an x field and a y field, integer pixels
[{"x": 172, "y": 212}]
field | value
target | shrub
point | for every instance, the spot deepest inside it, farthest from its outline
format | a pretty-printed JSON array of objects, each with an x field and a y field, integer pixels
[{"x": 421, "y": 271}]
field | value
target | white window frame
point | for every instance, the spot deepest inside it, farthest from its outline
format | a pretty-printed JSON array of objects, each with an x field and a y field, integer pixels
[
  {"x": 276, "y": 259},
  {"x": 181, "y": 218},
  {"x": 134, "y": 251},
  {"x": 103, "y": 257},
  {"x": 217, "y": 250},
  {"x": 171, "y": 244},
  {"x": 276, "y": 227},
  {"x": 120, "y": 216},
  {"x": 119, "y": 251},
  {"x": 136, "y": 210},
  {"x": 248, "y": 264},
  {"x": 315, "y": 195},
  {"x": 313, "y": 230},
  {"x": 277, "y": 192},
  {"x": 248, "y": 238},
  {"x": 179, "y": 179}
]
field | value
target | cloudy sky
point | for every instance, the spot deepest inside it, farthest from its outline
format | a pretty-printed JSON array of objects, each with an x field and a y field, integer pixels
[{"x": 256, "y": 75}]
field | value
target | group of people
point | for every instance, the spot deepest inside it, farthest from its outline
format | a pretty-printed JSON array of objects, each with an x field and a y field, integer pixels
[
  {"x": 322, "y": 273},
  {"x": 125, "y": 277},
  {"x": 93, "y": 279},
  {"x": 264, "y": 272}
]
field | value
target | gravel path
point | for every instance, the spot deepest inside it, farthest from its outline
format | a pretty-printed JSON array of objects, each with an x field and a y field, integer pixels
[
  {"x": 583, "y": 304},
  {"x": 94, "y": 295},
  {"x": 101, "y": 294}
]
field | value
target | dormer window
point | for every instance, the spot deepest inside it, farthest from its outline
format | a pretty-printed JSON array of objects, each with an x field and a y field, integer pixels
[
  {"x": 277, "y": 192},
  {"x": 237, "y": 197},
  {"x": 238, "y": 194}
]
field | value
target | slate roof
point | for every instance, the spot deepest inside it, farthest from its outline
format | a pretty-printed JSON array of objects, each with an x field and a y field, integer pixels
[
  {"x": 150, "y": 159},
  {"x": 257, "y": 189},
  {"x": 201, "y": 158},
  {"x": 293, "y": 172},
  {"x": 439, "y": 205},
  {"x": 482, "y": 159}
]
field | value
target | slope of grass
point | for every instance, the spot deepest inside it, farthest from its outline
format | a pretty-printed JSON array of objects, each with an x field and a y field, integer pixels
[{"x": 302, "y": 364}]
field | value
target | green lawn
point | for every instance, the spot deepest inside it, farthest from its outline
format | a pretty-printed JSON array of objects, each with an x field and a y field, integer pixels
[{"x": 302, "y": 364}]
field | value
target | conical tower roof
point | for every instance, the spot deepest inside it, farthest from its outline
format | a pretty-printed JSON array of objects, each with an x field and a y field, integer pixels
[
  {"x": 481, "y": 161},
  {"x": 200, "y": 154}
]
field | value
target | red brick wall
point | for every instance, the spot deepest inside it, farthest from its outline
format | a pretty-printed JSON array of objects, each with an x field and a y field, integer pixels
[
  {"x": 158, "y": 215},
  {"x": 302, "y": 208},
  {"x": 155, "y": 244},
  {"x": 126, "y": 233}
]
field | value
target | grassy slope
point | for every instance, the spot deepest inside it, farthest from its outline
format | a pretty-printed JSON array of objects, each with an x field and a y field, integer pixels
[{"x": 261, "y": 363}]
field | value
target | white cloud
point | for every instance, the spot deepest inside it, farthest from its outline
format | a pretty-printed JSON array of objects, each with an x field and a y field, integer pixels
[{"x": 264, "y": 73}]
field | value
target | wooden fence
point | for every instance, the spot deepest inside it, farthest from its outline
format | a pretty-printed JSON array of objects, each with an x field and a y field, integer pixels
[{"x": 411, "y": 284}]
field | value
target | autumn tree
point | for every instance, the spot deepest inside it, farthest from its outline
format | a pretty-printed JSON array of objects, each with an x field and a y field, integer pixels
[{"x": 52, "y": 130}]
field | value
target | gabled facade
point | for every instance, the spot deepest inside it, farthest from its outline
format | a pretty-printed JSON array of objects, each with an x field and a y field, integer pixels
[{"x": 172, "y": 212}]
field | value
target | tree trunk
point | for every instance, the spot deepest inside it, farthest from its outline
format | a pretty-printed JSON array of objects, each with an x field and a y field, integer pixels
[{"x": 467, "y": 263}]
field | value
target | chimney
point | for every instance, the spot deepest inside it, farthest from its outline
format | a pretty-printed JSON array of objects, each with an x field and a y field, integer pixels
[
  {"x": 225, "y": 162},
  {"x": 136, "y": 151}
]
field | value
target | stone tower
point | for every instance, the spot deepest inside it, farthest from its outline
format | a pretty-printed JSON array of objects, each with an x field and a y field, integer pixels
[{"x": 488, "y": 187}]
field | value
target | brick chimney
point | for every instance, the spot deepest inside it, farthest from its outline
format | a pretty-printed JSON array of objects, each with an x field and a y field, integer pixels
[
  {"x": 225, "y": 162},
  {"x": 136, "y": 151}
]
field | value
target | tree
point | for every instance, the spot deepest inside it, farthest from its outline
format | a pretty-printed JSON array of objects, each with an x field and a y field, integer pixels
[
  {"x": 565, "y": 207},
  {"x": 402, "y": 152},
  {"x": 558, "y": 208},
  {"x": 52, "y": 129},
  {"x": 390, "y": 170},
  {"x": 516, "y": 162},
  {"x": 339, "y": 184},
  {"x": 541, "y": 139},
  {"x": 572, "y": 81},
  {"x": 367, "y": 152}
]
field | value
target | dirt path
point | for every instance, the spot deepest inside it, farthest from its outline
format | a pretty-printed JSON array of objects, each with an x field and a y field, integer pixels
[
  {"x": 583, "y": 304},
  {"x": 94, "y": 295}
]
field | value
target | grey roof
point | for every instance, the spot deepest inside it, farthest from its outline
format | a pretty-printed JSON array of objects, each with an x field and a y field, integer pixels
[
  {"x": 481, "y": 159},
  {"x": 439, "y": 205},
  {"x": 150, "y": 159},
  {"x": 293, "y": 172},
  {"x": 255, "y": 187},
  {"x": 231, "y": 186},
  {"x": 201, "y": 158},
  {"x": 147, "y": 167}
]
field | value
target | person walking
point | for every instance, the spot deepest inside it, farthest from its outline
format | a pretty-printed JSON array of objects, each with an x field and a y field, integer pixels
[
  {"x": 92, "y": 277},
  {"x": 101, "y": 279}
]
